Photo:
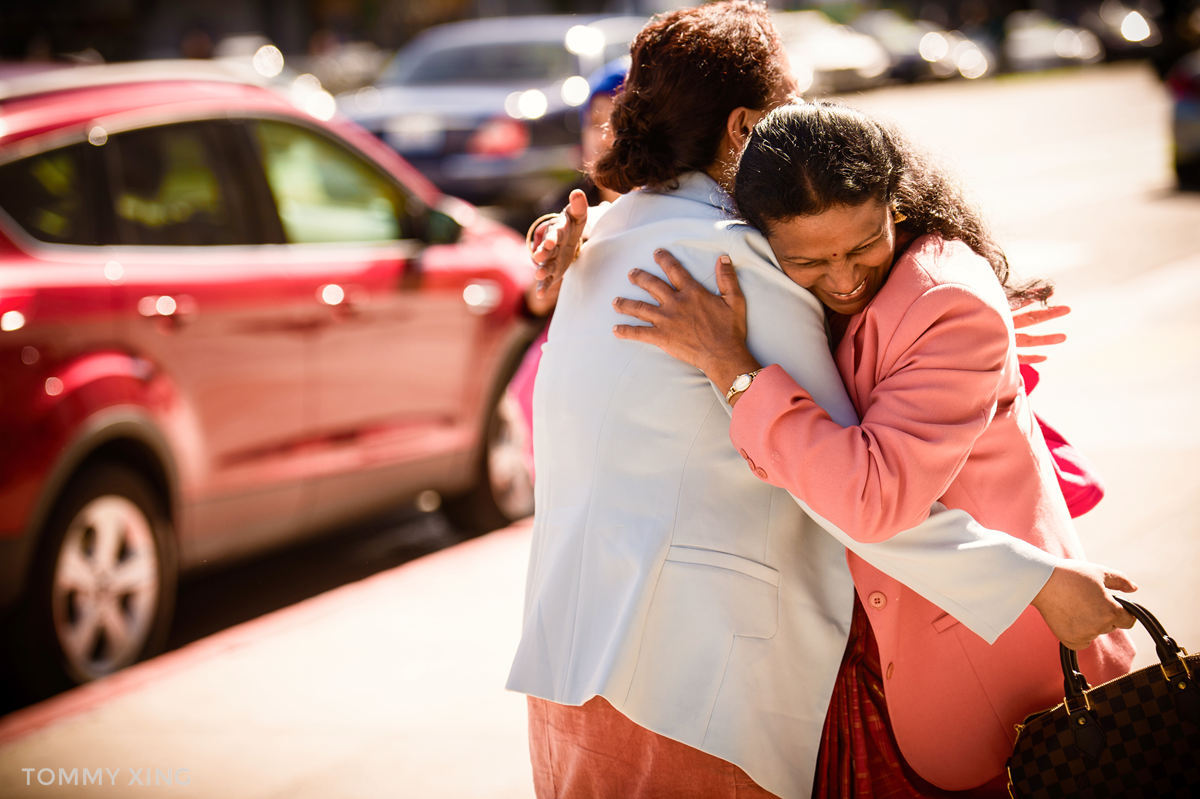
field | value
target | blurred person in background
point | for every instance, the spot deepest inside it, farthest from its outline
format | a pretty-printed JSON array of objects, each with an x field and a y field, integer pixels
[
  {"x": 596, "y": 135},
  {"x": 684, "y": 620},
  {"x": 918, "y": 295}
]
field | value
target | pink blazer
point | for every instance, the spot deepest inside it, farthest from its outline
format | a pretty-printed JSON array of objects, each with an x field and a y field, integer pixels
[{"x": 931, "y": 367}]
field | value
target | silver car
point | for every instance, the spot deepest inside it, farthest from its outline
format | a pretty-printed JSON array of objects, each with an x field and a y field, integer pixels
[{"x": 488, "y": 109}]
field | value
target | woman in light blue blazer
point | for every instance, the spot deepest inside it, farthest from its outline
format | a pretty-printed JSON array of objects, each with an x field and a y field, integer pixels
[{"x": 684, "y": 620}]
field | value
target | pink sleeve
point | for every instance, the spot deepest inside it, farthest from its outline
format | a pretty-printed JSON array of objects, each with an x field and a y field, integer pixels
[{"x": 943, "y": 367}]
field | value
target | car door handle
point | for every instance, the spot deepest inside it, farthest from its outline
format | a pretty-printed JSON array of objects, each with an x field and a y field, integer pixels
[{"x": 341, "y": 298}]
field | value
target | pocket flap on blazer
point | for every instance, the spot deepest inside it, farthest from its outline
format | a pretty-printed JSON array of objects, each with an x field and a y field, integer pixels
[
  {"x": 944, "y": 622},
  {"x": 724, "y": 560}
]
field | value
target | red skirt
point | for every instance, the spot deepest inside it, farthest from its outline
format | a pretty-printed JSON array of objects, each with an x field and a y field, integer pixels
[{"x": 859, "y": 756}]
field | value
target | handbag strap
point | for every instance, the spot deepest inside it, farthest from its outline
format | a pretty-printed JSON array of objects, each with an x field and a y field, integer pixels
[
  {"x": 1170, "y": 654},
  {"x": 1167, "y": 648},
  {"x": 1086, "y": 731}
]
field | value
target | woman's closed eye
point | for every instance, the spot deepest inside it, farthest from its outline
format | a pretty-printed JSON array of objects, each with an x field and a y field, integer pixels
[
  {"x": 799, "y": 263},
  {"x": 866, "y": 245},
  {"x": 794, "y": 264}
]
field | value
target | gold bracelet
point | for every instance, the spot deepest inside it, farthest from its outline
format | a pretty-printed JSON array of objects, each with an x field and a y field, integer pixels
[{"x": 537, "y": 223}]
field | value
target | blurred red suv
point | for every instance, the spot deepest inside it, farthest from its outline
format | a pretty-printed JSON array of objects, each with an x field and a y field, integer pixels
[{"x": 228, "y": 319}]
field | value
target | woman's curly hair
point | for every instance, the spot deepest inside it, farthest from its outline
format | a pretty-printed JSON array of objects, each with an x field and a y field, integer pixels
[
  {"x": 690, "y": 69},
  {"x": 802, "y": 159}
]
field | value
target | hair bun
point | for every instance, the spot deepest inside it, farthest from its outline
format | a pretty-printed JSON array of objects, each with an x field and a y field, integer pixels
[
  {"x": 642, "y": 152},
  {"x": 689, "y": 69}
]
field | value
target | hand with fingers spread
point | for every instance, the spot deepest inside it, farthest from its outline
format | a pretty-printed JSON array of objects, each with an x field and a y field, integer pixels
[
  {"x": 1037, "y": 316},
  {"x": 554, "y": 242},
  {"x": 689, "y": 322},
  {"x": 1076, "y": 605}
]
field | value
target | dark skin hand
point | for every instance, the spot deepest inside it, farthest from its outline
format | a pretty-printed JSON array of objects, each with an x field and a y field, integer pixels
[{"x": 689, "y": 322}]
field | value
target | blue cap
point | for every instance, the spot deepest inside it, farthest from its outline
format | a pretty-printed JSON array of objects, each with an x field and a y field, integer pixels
[{"x": 608, "y": 78}]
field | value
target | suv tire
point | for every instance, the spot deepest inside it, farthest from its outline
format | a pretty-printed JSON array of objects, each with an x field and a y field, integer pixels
[{"x": 103, "y": 592}]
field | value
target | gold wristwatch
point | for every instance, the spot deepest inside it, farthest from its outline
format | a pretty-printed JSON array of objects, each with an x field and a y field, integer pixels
[{"x": 740, "y": 384}]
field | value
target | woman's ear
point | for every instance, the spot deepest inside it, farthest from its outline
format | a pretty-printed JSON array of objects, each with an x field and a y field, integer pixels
[
  {"x": 739, "y": 124},
  {"x": 737, "y": 130}
]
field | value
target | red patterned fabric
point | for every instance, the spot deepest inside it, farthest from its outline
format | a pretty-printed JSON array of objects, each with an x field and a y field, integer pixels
[{"x": 859, "y": 756}]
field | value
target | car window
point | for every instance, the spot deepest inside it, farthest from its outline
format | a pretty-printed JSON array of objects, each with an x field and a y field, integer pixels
[
  {"x": 504, "y": 62},
  {"x": 324, "y": 192},
  {"x": 166, "y": 188},
  {"x": 48, "y": 196}
]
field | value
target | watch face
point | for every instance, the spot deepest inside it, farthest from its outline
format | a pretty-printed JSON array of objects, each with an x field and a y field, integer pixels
[{"x": 741, "y": 382}]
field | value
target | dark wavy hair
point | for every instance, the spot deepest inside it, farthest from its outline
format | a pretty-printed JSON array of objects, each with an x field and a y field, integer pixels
[
  {"x": 803, "y": 159},
  {"x": 690, "y": 69}
]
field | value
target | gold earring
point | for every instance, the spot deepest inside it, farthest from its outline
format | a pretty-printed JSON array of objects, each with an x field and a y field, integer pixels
[{"x": 897, "y": 217}]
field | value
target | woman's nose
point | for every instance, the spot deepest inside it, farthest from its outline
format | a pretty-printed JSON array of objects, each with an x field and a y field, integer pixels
[{"x": 843, "y": 277}]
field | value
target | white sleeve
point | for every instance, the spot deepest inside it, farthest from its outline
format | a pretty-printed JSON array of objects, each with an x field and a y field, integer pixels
[{"x": 982, "y": 577}]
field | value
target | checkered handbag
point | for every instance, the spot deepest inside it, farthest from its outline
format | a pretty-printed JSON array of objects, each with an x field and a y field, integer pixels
[{"x": 1135, "y": 736}]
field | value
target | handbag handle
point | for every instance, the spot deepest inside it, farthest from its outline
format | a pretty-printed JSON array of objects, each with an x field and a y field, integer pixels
[{"x": 1170, "y": 654}]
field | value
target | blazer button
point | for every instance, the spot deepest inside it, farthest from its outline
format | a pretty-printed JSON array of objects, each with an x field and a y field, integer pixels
[
  {"x": 742, "y": 452},
  {"x": 760, "y": 473},
  {"x": 877, "y": 600},
  {"x": 891, "y": 667}
]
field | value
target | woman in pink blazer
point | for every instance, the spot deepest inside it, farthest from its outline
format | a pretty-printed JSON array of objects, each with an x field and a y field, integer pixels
[{"x": 918, "y": 297}]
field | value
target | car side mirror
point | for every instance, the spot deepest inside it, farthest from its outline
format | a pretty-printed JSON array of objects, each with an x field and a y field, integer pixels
[{"x": 441, "y": 227}]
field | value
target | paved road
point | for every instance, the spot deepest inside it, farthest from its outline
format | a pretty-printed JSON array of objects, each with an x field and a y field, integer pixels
[{"x": 390, "y": 686}]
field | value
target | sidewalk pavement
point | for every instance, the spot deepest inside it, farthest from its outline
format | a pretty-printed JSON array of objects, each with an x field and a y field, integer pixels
[{"x": 392, "y": 686}]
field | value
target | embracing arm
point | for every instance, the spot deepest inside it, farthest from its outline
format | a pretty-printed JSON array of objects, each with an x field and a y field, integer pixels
[
  {"x": 937, "y": 394},
  {"x": 948, "y": 558},
  {"x": 931, "y": 392},
  {"x": 944, "y": 555}
]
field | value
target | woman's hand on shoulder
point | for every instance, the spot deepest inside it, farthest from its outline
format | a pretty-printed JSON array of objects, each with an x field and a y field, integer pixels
[{"x": 689, "y": 322}]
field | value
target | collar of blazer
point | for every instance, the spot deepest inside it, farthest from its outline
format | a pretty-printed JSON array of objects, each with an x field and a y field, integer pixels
[{"x": 700, "y": 188}]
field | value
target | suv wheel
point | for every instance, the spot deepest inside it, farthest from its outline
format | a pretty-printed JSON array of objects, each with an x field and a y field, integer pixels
[
  {"x": 105, "y": 589},
  {"x": 503, "y": 491}
]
